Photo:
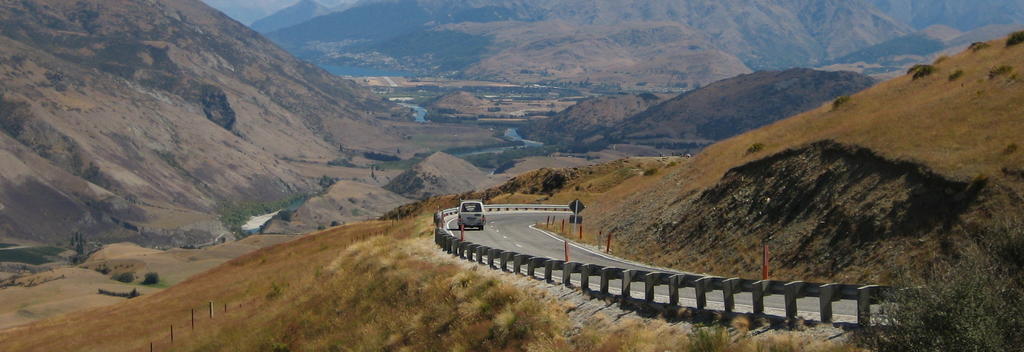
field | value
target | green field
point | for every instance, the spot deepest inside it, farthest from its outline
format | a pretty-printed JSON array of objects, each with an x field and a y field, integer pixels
[{"x": 30, "y": 255}]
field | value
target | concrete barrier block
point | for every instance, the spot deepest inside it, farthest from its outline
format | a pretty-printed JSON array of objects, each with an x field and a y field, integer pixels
[
  {"x": 757, "y": 292},
  {"x": 794, "y": 290},
  {"x": 673, "y": 289},
  {"x": 567, "y": 270},
  {"x": 729, "y": 289},
  {"x": 627, "y": 280},
  {"x": 865, "y": 296},
  {"x": 701, "y": 287},
  {"x": 827, "y": 294},
  {"x": 517, "y": 263},
  {"x": 606, "y": 276}
]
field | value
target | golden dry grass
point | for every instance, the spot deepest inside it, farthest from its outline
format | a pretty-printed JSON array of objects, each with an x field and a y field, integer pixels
[{"x": 343, "y": 290}]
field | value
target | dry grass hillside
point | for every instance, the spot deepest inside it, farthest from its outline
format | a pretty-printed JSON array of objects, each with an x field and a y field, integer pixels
[
  {"x": 341, "y": 289},
  {"x": 907, "y": 175}
]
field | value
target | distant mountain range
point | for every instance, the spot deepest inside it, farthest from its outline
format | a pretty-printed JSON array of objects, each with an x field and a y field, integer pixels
[{"x": 659, "y": 43}]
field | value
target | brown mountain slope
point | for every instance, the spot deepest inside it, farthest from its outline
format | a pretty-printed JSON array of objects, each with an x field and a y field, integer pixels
[
  {"x": 132, "y": 120},
  {"x": 587, "y": 118},
  {"x": 733, "y": 106},
  {"x": 438, "y": 174}
]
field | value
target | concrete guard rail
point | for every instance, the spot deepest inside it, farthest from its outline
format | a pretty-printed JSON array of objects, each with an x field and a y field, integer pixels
[{"x": 864, "y": 295}]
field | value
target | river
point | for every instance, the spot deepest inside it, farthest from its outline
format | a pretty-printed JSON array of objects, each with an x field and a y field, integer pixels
[{"x": 420, "y": 114}]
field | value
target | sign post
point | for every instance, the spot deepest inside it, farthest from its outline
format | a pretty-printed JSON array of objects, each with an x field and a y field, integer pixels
[{"x": 576, "y": 206}]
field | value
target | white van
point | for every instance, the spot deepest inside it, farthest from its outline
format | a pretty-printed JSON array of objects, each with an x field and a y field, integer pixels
[{"x": 471, "y": 214}]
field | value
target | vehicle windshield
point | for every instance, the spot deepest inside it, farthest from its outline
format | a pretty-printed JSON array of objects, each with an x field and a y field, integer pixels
[{"x": 472, "y": 207}]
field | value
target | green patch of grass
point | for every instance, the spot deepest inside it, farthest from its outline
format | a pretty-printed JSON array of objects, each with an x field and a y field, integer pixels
[
  {"x": 999, "y": 71},
  {"x": 7, "y": 245},
  {"x": 978, "y": 46},
  {"x": 1015, "y": 38},
  {"x": 840, "y": 101},
  {"x": 921, "y": 71},
  {"x": 31, "y": 255},
  {"x": 956, "y": 75},
  {"x": 754, "y": 148}
]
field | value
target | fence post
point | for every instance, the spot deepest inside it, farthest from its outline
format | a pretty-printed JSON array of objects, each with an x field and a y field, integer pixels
[
  {"x": 605, "y": 273},
  {"x": 608, "y": 247},
  {"x": 581, "y": 232},
  {"x": 172, "y": 333},
  {"x": 563, "y": 226},
  {"x": 193, "y": 319},
  {"x": 566, "y": 245},
  {"x": 567, "y": 270},
  {"x": 650, "y": 281},
  {"x": 211, "y": 309}
]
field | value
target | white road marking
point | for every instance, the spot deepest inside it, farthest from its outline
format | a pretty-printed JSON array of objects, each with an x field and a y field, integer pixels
[{"x": 518, "y": 245}]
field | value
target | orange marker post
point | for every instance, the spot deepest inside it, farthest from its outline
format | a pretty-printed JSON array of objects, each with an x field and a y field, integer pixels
[
  {"x": 608, "y": 246},
  {"x": 581, "y": 232},
  {"x": 764, "y": 263},
  {"x": 566, "y": 244},
  {"x": 462, "y": 232}
]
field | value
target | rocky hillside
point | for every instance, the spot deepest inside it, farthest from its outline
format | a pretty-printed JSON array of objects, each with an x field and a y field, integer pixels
[
  {"x": 438, "y": 174},
  {"x": 659, "y": 43},
  {"x": 134, "y": 120}
]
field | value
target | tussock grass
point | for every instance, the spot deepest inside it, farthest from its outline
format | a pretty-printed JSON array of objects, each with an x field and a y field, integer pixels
[{"x": 921, "y": 71}]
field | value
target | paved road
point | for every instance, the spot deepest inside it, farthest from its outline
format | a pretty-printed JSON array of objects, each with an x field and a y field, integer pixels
[{"x": 514, "y": 232}]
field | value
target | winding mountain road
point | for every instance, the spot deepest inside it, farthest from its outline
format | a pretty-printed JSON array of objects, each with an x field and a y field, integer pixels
[{"x": 516, "y": 232}]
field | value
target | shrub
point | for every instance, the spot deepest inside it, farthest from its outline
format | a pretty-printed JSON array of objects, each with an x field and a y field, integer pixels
[
  {"x": 126, "y": 277},
  {"x": 151, "y": 278},
  {"x": 1010, "y": 149},
  {"x": 285, "y": 215},
  {"x": 651, "y": 171},
  {"x": 1015, "y": 38},
  {"x": 710, "y": 339},
  {"x": 978, "y": 46},
  {"x": 921, "y": 71},
  {"x": 754, "y": 148},
  {"x": 956, "y": 75},
  {"x": 999, "y": 71},
  {"x": 840, "y": 101}
]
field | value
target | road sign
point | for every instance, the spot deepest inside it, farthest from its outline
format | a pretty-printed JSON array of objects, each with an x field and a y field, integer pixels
[{"x": 576, "y": 206}]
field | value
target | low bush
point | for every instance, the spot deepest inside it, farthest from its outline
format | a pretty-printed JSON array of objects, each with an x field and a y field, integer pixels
[
  {"x": 754, "y": 148},
  {"x": 650, "y": 171},
  {"x": 126, "y": 277},
  {"x": 1010, "y": 149},
  {"x": 999, "y": 71},
  {"x": 1015, "y": 38},
  {"x": 921, "y": 71},
  {"x": 151, "y": 278},
  {"x": 840, "y": 101},
  {"x": 956, "y": 75},
  {"x": 972, "y": 305},
  {"x": 978, "y": 46}
]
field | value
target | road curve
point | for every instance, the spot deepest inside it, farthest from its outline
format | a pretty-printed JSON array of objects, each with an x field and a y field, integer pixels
[{"x": 515, "y": 232}]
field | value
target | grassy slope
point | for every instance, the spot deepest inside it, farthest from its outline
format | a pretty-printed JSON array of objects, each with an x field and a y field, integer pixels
[{"x": 339, "y": 290}]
